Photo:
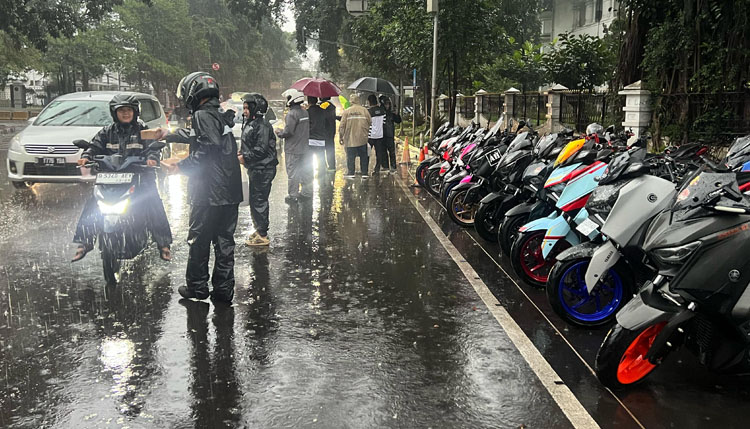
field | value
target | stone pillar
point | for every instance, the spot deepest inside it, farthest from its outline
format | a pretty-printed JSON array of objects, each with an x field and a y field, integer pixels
[
  {"x": 508, "y": 106},
  {"x": 553, "y": 107},
  {"x": 637, "y": 108},
  {"x": 442, "y": 111},
  {"x": 479, "y": 117},
  {"x": 457, "y": 110}
]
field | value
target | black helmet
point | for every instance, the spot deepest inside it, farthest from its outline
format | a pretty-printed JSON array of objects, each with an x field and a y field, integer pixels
[
  {"x": 124, "y": 100},
  {"x": 256, "y": 103},
  {"x": 195, "y": 87}
]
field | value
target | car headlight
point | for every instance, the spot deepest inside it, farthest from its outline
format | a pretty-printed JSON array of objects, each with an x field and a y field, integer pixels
[
  {"x": 113, "y": 209},
  {"x": 15, "y": 144},
  {"x": 675, "y": 255}
]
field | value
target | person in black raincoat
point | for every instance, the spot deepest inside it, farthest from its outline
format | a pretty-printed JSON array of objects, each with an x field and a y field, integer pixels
[
  {"x": 124, "y": 137},
  {"x": 258, "y": 155},
  {"x": 331, "y": 118},
  {"x": 389, "y": 134},
  {"x": 214, "y": 188},
  {"x": 322, "y": 129}
]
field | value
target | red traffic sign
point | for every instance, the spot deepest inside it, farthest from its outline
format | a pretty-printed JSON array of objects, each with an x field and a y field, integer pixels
[{"x": 215, "y": 66}]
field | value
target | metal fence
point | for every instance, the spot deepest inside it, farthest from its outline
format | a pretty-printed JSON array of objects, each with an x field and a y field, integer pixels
[
  {"x": 580, "y": 108},
  {"x": 465, "y": 106},
  {"x": 531, "y": 106},
  {"x": 492, "y": 106},
  {"x": 715, "y": 118}
]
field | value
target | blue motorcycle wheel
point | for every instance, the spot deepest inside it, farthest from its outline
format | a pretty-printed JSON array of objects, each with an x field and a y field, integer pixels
[{"x": 566, "y": 291}]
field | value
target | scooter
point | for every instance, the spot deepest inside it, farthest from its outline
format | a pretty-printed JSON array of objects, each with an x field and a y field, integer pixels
[
  {"x": 124, "y": 233},
  {"x": 700, "y": 297}
]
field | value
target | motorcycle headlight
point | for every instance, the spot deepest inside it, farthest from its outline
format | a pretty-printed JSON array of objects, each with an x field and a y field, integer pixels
[
  {"x": 113, "y": 209},
  {"x": 15, "y": 144},
  {"x": 675, "y": 255}
]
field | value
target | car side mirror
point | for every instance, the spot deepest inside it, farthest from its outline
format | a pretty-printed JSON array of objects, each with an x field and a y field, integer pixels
[{"x": 81, "y": 144}]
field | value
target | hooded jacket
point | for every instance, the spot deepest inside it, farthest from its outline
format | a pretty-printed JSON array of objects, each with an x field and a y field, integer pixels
[
  {"x": 258, "y": 145},
  {"x": 296, "y": 131},
  {"x": 354, "y": 128},
  {"x": 214, "y": 175}
]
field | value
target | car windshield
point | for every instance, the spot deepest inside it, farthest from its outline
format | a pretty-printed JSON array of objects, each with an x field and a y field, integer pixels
[{"x": 75, "y": 113}]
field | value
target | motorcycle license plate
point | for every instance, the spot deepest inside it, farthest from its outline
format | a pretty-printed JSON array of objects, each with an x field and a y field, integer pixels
[
  {"x": 47, "y": 161},
  {"x": 587, "y": 227},
  {"x": 113, "y": 178},
  {"x": 494, "y": 157}
]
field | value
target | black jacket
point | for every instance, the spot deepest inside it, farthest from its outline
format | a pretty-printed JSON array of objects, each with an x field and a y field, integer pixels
[
  {"x": 124, "y": 139},
  {"x": 214, "y": 175},
  {"x": 389, "y": 127},
  {"x": 259, "y": 145},
  {"x": 322, "y": 122}
]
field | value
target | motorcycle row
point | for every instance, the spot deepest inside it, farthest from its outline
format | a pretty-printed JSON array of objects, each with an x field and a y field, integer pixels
[{"x": 657, "y": 243}]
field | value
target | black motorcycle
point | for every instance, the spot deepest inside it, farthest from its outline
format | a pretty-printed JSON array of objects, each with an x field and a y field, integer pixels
[{"x": 123, "y": 233}]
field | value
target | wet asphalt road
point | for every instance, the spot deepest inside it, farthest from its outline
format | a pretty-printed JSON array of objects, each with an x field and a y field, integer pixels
[{"x": 356, "y": 317}]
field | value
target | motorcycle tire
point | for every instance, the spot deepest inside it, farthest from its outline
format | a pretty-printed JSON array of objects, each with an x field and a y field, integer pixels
[
  {"x": 567, "y": 294},
  {"x": 421, "y": 173},
  {"x": 508, "y": 232},
  {"x": 460, "y": 213},
  {"x": 527, "y": 260},
  {"x": 111, "y": 266},
  {"x": 487, "y": 221},
  {"x": 621, "y": 361},
  {"x": 432, "y": 180},
  {"x": 446, "y": 192}
]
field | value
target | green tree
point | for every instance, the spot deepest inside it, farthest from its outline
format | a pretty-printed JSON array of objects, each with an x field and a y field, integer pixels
[{"x": 580, "y": 62}]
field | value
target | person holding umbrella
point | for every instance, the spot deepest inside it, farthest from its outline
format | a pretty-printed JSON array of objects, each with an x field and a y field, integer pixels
[{"x": 389, "y": 133}]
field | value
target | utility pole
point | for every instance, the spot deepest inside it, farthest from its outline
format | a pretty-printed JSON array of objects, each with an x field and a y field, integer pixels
[{"x": 432, "y": 7}]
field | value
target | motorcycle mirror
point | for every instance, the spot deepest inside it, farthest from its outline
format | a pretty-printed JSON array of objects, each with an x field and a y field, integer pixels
[
  {"x": 81, "y": 144},
  {"x": 610, "y": 129},
  {"x": 521, "y": 124}
]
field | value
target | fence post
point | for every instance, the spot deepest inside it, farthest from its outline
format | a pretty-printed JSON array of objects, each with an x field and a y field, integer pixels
[
  {"x": 637, "y": 108},
  {"x": 479, "y": 117},
  {"x": 457, "y": 110},
  {"x": 554, "y": 99},
  {"x": 442, "y": 111},
  {"x": 509, "y": 107}
]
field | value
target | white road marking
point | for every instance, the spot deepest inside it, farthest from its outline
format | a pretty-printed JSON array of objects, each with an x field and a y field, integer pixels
[{"x": 565, "y": 399}]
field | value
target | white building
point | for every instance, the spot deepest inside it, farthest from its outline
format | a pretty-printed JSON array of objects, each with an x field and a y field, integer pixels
[{"x": 576, "y": 17}]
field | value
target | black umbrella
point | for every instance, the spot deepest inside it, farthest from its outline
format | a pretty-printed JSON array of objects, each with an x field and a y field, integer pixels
[{"x": 373, "y": 84}]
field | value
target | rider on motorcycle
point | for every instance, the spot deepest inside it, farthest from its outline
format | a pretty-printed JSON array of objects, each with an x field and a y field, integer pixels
[{"x": 124, "y": 137}]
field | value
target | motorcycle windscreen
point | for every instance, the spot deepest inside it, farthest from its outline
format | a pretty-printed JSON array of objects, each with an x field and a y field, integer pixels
[
  {"x": 691, "y": 201},
  {"x": 559, "y": 174}
]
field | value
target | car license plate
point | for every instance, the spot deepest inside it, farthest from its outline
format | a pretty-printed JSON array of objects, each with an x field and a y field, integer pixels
[
  {"x": 587, "y": 227},
  {"x": 494, "y": 157},
  {"x": 113, "y": 178},
  {"x": 51, "y": 161}
]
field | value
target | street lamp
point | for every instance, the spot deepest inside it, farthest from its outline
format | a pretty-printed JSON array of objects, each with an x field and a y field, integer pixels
[{"x": 432, "y": 7}]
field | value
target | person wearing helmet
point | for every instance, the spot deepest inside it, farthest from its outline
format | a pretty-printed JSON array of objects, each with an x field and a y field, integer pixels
[
  {"x": 377, "y": 113},
  {"x": 389, "y": 133},
  {"x": 123, "y": 137},
  {"x": 322, "y": 126},
  {"x": 258, "y": 155},
  {"x": 214, "y": 188},
  {"x": 296, "y": 135}
]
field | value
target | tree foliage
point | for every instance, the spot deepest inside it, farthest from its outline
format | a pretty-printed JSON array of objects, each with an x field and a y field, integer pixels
[{"x": 581, "y": 62}]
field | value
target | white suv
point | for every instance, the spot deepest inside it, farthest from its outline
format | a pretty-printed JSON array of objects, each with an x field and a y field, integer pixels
[{"x": 44, "y": 151}]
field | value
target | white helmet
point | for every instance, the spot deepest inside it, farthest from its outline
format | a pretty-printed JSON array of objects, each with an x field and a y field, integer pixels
[{"x": 293, "y": 96}]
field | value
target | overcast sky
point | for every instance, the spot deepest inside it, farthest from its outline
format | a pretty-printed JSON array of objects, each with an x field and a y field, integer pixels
[{"x": 310, "y": 61}]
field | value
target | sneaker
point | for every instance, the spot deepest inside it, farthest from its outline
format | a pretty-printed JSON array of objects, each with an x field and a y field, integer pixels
[
  {"x": 365, "y": 176},
  {"x": 191, "y": 294},
  {"x": 349, "y": 176},
  {"x": 258, "y": 240}
]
